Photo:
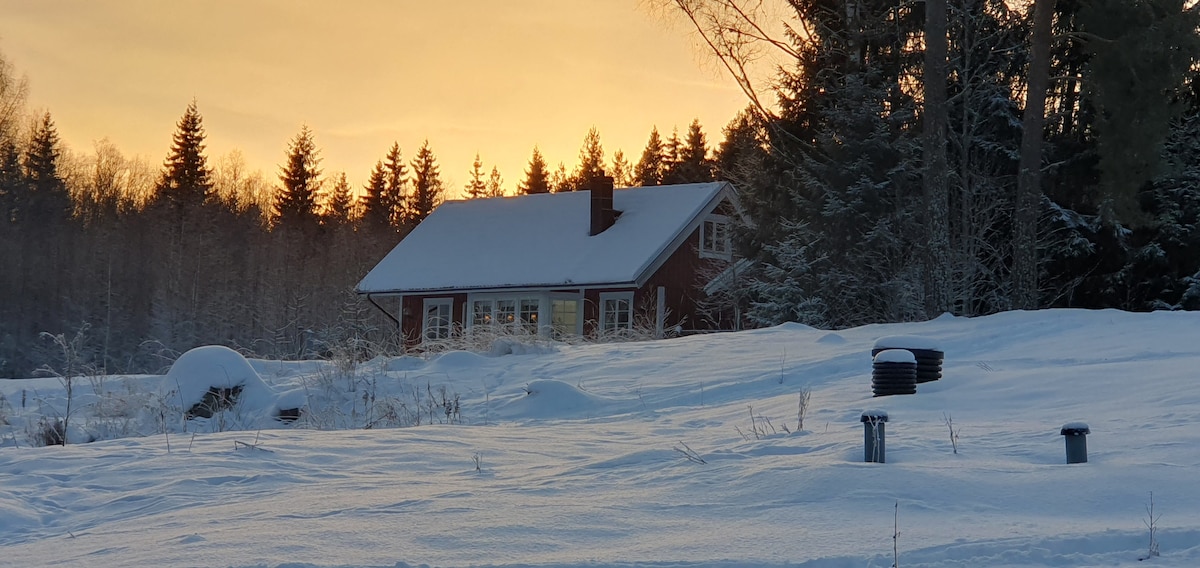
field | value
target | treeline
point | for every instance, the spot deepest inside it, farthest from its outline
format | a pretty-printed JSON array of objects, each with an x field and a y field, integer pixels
[
  {"x": 148, "y": 262},
  {"x": 965, "y": 156}
]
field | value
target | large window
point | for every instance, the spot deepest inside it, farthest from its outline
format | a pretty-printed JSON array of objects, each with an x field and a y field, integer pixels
[
  {"x": 616, "y": 311},
  {"x": 438, "y": 318},
  {"x": 564, "y": 316},
  {"x": 714, "y": 238}
]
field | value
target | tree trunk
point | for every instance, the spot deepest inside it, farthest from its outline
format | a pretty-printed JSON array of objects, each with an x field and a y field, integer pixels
[
  {"x": 1029, "y": 174},
  {"x": 937, "y": 201}
]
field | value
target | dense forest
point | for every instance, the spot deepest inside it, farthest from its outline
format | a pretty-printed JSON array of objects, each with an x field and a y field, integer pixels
[{"x": 909, "y": 159}]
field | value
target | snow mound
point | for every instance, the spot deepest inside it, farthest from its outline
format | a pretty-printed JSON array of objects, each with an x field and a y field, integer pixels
[
  {"x": 513, "y": 346},
  {"x": 214, "y": 367},
  {"x": 549, "y": 398},
  {"x": 831, "y": 339}
]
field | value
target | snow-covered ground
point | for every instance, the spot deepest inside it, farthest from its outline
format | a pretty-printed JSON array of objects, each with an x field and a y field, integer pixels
[{"x": 578, "y": 456}]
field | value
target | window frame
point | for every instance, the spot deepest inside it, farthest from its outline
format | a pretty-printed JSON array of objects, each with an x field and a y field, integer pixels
[
  {"x": 603, "y": 325},
  {"x": 445, "y": 327},
  {"x": 722, "y": 243}
]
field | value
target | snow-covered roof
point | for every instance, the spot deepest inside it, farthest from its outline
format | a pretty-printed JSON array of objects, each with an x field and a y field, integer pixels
[{"x": 535, "y": 241}]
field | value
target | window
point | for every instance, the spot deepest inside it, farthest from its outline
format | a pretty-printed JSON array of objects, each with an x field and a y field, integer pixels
[
  {"x": 616, "y": 311},
  {"x": 714, "y": 238},
  {"x": 506, "y": 312},
  {"x": 481, "y": 313},
  {"x": 564, "y": 316},
  {"x": 438, "y": 317},
  {"x": 529, "y": 315}
]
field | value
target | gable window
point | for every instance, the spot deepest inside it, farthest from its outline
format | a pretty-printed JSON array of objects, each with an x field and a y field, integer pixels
[
  {"x": 616, "y": 311},
  {"x": 714, "y": 238},
  {"x": 438, "y": 315}
]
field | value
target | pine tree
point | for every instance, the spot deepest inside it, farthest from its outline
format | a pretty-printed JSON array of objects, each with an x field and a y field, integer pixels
[
  {"x": 427, "y": 185},
  {"x": 186, "y": 180},
  {"x": 375, "y": 211},
  {"x": 476, "y": 186},
  {"x": 339, "y": 209},
  {"x": 591, "y": 162},
  {"x": 622, "y": 173},
  {"x": 495, "y": 184},
  {"x": 395, "y": 199},
  {"x": 296, "y": 203},
  {"x": 537, "y": 177},
  {"x": 651, "y": 169}
]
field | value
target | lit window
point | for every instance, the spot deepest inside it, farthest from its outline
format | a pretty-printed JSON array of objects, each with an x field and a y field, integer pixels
[
  {"x": 481, "y": 313},
  {"x": 616, "y": 311},
  {"x": 506, "y": 312},
  {"x": 529, "y": 314},
  {"x": 714, "y": 238},
  {"x": 438, "y": 317}
]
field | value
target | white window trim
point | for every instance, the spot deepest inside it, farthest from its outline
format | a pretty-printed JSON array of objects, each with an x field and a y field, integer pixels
[
  {"x": 425, "y": 319},
  {"x": 604, "y": 315},
  {"x": 727, "y": 254}
]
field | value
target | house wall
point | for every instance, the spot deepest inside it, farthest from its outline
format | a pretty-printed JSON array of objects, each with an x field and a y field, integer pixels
[
  {"x": 412, "y": 308},
  {"x": 683, "y": 277}
]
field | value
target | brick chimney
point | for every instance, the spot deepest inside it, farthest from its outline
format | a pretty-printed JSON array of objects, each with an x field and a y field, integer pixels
[{"x": 603, "y": 215}]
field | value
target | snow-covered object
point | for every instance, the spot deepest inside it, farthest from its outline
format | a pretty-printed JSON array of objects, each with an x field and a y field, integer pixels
[
  {"x": 1075, "y": 429},
  {"x": 215, "y": 366},
  {"x": 874, "y": 415},
  {"x": 542, "y": 240},
  {"x": 906, "y": 342},
  {"x": 895, "y": 356}
]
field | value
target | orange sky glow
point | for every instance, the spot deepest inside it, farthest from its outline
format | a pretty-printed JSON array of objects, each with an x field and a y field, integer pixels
[{"x": 486, "y": 76}]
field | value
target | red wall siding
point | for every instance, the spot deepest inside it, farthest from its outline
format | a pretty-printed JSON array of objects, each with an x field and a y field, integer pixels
[{"x": 413, "y": 309}]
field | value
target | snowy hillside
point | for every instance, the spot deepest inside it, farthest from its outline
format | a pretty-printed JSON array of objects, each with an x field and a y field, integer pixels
[{"x": 677, "y": 453}]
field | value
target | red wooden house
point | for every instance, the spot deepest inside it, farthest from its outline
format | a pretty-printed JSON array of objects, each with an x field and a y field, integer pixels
[{"x": 579, "y": 263}]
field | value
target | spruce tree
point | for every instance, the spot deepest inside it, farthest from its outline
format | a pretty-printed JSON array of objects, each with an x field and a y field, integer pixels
[
  {"x": 673, "y": 159},
  {"x": 395, "y": 199},
  {"x": 694, "y": 165},
  {"x": 476, "y": 186},
  {"x": 13, "y": 189},
  {"x": 186, "y": 181},
  {"x": 560, "y": 181},
  {"x": 296, "y": 203},
  {"x": 427, "y": 185},
  {"x": 1141, "y": 51},
  {"x": 375, "y": 211},
  {"x": 495, "y": 184},
  {"x": 339, "y": 208},
  {"x": 49, "y": 199},
  {"x": 622, "y": 172},
  {"x": 651, "y": 168},
  {"x": 537, "y": 177},
  {"x": 591, "y": 162}
]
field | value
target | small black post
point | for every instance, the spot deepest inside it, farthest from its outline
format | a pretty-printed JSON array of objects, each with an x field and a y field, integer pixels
[{"x": 1076, "y": 437}]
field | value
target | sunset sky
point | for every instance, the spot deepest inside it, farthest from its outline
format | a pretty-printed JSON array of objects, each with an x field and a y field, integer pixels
[{"x": 486, "y": 76}]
